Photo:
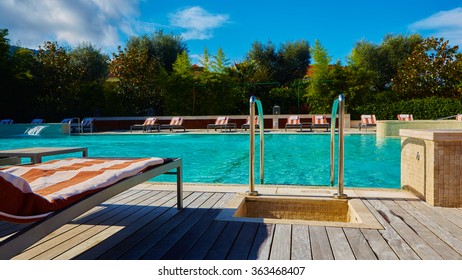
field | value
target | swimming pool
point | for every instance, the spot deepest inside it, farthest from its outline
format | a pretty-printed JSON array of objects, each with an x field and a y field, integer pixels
[{"x": 290, "y": 159}]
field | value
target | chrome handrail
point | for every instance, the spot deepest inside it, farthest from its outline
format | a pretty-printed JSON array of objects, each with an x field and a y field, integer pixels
[
  {"x": 252, "y": 190},
  {"x": 341, "y": 128}
]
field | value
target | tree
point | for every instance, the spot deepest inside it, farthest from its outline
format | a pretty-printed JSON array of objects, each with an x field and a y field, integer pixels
[
  {"x": 205, "y": 60},
  {"x": 380, "y": 62},
  {"x": 433, "y": 69},
  {"x": 165, "y": 48},
  {"x": 179, "y": 95},
  {"x": 220, "y": 62},
  {"x": 319, "y": 94},
  {"x": 282, "y": 65},
  {"x": 91, "y": 71},
  {"x": 55, "y": 75}
]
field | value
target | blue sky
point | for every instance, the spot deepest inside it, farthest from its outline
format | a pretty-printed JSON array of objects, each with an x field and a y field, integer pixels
[{"x": 232, "y": 25}]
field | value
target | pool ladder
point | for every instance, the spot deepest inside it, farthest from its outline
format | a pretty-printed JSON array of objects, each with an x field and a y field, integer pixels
[
  {"x": 253, "y": 101},
  {"x": 340, "y": 104}
]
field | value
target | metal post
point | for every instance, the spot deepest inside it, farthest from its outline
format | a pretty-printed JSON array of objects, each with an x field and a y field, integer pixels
[
  {"x": 340, "y": 194},
  {"x": 252, "y": 148}
]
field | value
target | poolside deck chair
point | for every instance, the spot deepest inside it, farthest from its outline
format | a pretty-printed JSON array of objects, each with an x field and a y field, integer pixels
[
  {"x": 405, "y": 117},
  {"x": 247, "y": 123},
  {"x": 87, "y": 124},
  {"x": 293, "y": 122},
  {"x": 459, "y": 117},
  {"x": 74, "y": 124},
  {"x": 221, "y": 123},
  {"x": 175, "y": 122},
  {"x": 367, "y": 120},
  {"x": 319, "y": 122},
  {"x": 6, "y": 121},
  {"x": 148, "y": 124},
  {"x": 37, "y": 121},
  {"x": 51, "y": 194}
]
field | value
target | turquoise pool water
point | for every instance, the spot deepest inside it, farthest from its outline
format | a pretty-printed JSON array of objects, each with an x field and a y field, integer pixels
[{"x": 292, "y": 159}]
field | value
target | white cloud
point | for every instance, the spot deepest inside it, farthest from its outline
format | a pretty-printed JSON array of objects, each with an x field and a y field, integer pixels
[
  {"x": 197, "y": 22},
  {"x": 31, "y": 22},
  {"x": 447, "y": 24}
]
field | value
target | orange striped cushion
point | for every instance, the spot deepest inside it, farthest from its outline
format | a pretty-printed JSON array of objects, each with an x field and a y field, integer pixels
[
  {"x": 459, "y": 117},
  {"x": 405, "y": 117},
  {"x": 31, "y": 192},
  {"x": 150, "y": 121},
  {"x": 221, "y": 120},
  {"x": 368, "y": 119},
  {"x": 293, "y": 120},
  {"x": 319, "y": 119},
  {"x": 176, "y": 121}
]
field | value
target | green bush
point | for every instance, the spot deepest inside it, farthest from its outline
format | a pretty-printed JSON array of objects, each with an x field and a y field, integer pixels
[{"x": 429, "y": 108}]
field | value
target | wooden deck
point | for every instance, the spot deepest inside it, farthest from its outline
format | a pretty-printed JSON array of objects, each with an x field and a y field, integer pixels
[{"x": 143, "y": 223}]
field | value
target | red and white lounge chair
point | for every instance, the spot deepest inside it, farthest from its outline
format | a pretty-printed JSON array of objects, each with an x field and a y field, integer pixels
[
  {"x": 319, "y": 122},
  {"x": 367, "y": 120},
  {"x": 52, "y": 194},
  {"x": 406, "y": 117}
]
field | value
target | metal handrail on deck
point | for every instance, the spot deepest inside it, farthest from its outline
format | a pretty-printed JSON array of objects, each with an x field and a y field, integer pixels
[
  {"x": 252, "y": 190},
  {"x": 340, "y": 103}
]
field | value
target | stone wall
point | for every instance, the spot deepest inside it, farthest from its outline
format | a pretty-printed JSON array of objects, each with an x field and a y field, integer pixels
[{"x": 431, "y": 165}]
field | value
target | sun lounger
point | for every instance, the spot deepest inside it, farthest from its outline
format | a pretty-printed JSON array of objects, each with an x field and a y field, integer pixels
[
  {"x": 6, "y": 121},
  {"x": 319, "y": 122},
  {"x": 406, "y": 117},
  {"x": 221, "y": 123},
  {"x": 74, "y": 124},
  {"x": 367, "y": 120},
  {"x": 87, "y": 124},
  {"x": 175, "y": 122},
  {"x": 149, "y": 124},
  {"x": 459, "y": 117},
  {"x": 247, "y": 123},
  {"x": 52, "y": 194},
  {"x": 293, "y": 122}
]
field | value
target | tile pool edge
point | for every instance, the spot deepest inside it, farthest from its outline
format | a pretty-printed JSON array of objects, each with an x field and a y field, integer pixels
[{"x": 359, "y": 212}]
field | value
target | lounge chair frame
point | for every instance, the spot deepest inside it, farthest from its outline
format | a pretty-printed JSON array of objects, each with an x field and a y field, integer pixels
[
  {"x": 315, "y": 125},
  {"x": 28, "y": 236},
  {"x": 171, "y": 126},
  {"x": 146, "y": 127}
]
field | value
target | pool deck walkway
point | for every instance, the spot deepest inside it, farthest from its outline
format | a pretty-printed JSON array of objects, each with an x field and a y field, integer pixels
[{"x": 143, "y": 223}]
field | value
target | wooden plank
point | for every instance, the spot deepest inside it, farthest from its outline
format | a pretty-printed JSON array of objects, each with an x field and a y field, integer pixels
[
  {"x": 203, "y": 245},
  {"x": 243, "y": 243},
  {"x": 429, "y": 238},
  {"x": 261, "y": 247},
  {"x": 152, "y": 235},
  {"x": 339, "y": 244},
  {"x": 158, "y": 250},
  {"x": 380, "y": 247},
  {"x": 396, "y": 242},
  {"x": 359, "y": 245},
  {"x": 86, "y": 217},
  {"x": 181, "y": 248},
  {"x": 112, "y": 236},
  {"x": 223, "y": 244},
  {"x": 103, "y": 239},
  {"x": 407, "y": 233},
  {"x": 280, "y": 250},
  {"x": 161, "y": 215},
  {"x": 301, "y": 247},
  {"x": 59, "y": 241},
  {"x": 436, "y": 223},
  {"x": 320, "y": 246}
]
